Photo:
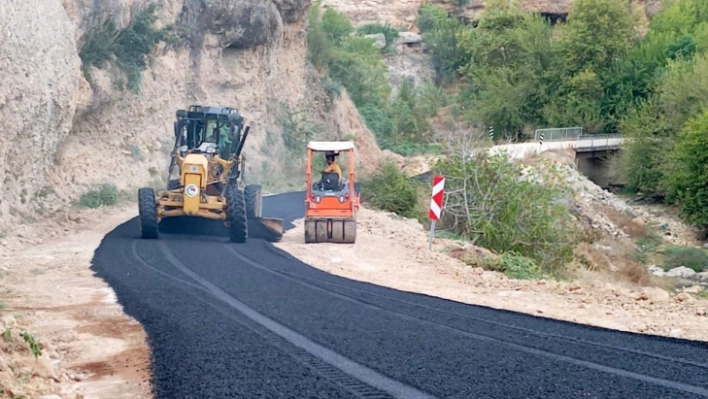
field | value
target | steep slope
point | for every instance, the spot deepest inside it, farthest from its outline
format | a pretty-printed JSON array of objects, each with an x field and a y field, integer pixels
[
  {"x": 70, "y": 124},
  {"x": 38, "y": 98}
]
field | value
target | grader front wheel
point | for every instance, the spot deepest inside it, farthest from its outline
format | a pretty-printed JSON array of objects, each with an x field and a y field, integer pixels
[
  {"x": 147, "y": 209},
  {"x": 236, "y": 214}
]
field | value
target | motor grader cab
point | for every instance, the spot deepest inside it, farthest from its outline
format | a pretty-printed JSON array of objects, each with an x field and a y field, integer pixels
[
  {"x": 331, "y": 204},
  {"x": 205, "y": 178}
]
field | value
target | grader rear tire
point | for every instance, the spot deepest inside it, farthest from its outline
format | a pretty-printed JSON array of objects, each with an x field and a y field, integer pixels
[
  {"x": 254, "y": 201},
  {"x": 236, "y": 214},
  {"x": 147, "y": 209}
]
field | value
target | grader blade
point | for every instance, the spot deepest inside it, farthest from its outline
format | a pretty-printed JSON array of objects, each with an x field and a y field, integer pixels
[
  {"x": 340, "y": 231},
  {"x": 269, "y": 229},
  {"x": 193, "y": 226}
]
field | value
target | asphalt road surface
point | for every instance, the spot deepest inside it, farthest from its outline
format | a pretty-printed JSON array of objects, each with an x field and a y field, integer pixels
[{"x": 249, "y": 321}]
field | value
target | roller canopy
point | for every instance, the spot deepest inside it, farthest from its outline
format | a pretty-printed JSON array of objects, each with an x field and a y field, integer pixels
[{"x": 326, "y": 146}]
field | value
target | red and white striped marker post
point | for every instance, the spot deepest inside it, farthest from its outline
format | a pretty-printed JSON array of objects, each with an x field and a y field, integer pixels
[{"x": 436, "y": 205}]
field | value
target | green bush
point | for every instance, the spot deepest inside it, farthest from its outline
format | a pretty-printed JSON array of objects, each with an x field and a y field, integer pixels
[
  {"x": 391, "y": 190},
  {"x": 513, "y": 265},
  {"x": 127, "y": 48},
  {"x": 488, "y": 201},
  {"x": 690, "y": 257},
  {"x": 105, "y": 195}
]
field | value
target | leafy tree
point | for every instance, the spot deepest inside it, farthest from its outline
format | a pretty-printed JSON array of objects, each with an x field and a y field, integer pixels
[
  {"x": 588, "y": 57},
  {"x": 127, "y": 48},
  {"x": 320, "y": 49},
  {"x": 683, "y": 90},
  {"x": 352, "y": 62},
  {"x": 687, "y": 174},
  {"x": 597, "y": 33},
  {"x": 643, "y": 164},
  {"x": 508, "y": 54},
  {"x": 440, "y": 33}
]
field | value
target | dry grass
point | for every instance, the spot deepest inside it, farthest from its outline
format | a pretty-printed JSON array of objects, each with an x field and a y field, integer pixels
[
  {"x": 621, "y": 258},
  {"x": 471, "y": 255},
  {"x": 634, "y": 227},
  {"x": 616, "y": 258}
]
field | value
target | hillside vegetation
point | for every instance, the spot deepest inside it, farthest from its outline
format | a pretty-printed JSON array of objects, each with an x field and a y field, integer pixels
[{"x": 607, "y": 68}]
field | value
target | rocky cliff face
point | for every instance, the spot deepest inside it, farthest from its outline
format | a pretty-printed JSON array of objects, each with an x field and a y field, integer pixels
[
  {"x": 41, "y": 75},
  {"x": 62, "y": 134}
]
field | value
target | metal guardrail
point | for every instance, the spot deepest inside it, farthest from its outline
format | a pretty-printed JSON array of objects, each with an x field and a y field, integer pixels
[
  {"x": 557, "y": 134},
  {"x": 599, "y": 140}
]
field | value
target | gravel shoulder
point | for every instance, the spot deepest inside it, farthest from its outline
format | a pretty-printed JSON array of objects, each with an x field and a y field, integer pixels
[
  {"x": 393, "y": 252},
  {"x": 89, "y": 347}
]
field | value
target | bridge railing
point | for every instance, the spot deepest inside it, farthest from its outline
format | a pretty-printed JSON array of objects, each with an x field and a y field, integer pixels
[
  {"x": 558, "y": 134},
  {"x": 600, "y": 140}
]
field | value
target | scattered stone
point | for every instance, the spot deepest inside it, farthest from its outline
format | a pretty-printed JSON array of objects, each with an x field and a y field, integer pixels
[
  {"x": 702, "y": 277},
  {"x": 681, "y": 271},
  {"x": 653, "y": 294},
  {"x": 683, "y": 297},
  {"x": 694, "y": 289},
  {"x": 409, "y": 38},
  {"x": 8, "y": 322},
  {"x": 50, "y": 397},
  {"x": 574, "y": 286},
  {"x": 379, "y": 39},
  {"x": 656, "y": 270}
]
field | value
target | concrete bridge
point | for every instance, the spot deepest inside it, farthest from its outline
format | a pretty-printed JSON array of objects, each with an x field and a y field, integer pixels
[{"x": 591, "y": 152}]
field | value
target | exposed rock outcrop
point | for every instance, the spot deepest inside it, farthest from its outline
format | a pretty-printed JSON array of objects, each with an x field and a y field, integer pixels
[
  {"x": 62, "y": 134},
  {"x": 38, "y": 96},
  {"x": 291, "y": 10},
  {"x": 236, "y": 24}
]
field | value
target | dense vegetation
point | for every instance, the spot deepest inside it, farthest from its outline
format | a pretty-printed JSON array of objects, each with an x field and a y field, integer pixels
[
  {"x": 351, "y": 60},
  {"x": 608, "y": 68},
  {"x": 596, "y": 71}
]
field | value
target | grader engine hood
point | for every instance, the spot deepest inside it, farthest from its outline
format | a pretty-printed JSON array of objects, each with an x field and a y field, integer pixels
[{"x": 193, "y": 179}]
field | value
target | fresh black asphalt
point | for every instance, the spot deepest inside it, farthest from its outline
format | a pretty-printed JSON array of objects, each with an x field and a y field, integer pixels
[{"x": 249, "y": 321}]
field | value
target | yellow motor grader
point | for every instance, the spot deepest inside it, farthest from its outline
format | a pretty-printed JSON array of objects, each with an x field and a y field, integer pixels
[{"x": 205, "y": 178}]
